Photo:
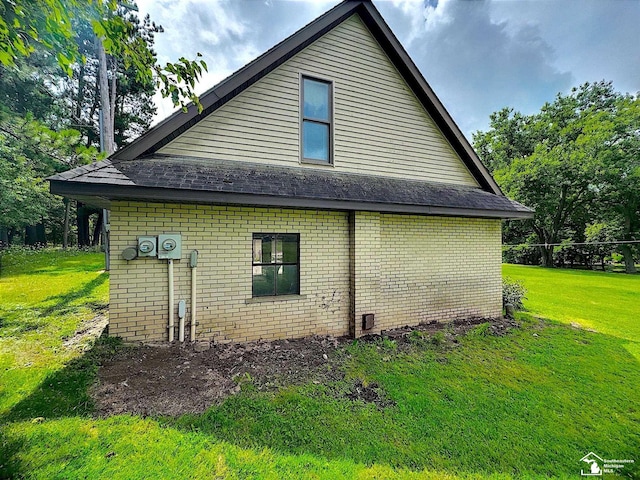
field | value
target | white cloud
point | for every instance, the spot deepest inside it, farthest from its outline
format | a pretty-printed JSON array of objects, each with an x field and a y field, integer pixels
[{"x": 478, "y": 56}]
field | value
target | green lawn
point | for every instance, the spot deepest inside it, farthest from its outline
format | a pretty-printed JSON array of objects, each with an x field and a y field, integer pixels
[
  {"x": 526, "y": 405},
  {"x": 605, "y": 302}
]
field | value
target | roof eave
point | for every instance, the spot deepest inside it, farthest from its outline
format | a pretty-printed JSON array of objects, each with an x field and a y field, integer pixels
[{"x": 104, "y": 194}]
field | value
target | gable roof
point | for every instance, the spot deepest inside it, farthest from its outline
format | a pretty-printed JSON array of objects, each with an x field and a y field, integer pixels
[
  {"x": 220, "y": 94},
  {"x": 139, "y": 172}
]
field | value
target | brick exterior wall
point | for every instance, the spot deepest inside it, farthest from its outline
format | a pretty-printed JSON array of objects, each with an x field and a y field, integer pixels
[
  {"x": 223, "y": 237},
  {"x": 404, "y": 269},
  {"x": 435, "y": 268}
]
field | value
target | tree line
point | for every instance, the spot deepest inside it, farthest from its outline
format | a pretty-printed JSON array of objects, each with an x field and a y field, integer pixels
[
  {"x": 77, "y": 80},
  {"x": 64, "y": 64},
  {"x": 577, "y": 163}
]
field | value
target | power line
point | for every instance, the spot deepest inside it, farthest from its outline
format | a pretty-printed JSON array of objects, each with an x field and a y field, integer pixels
[{"x": 612, "y": 242}]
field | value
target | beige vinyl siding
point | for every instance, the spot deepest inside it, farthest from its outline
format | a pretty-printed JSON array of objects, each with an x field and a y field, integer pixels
[{"x": 380, "y": 127}]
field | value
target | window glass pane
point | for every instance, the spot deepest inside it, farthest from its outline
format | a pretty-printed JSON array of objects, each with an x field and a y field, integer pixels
[
  {"x": 316, "y": 99},
  {"x": 287, "y": 280},
  {"x": 263, "y": 281},
  {"x": 257, "y": 249},
  {"x": 289, "y": 248},
  {"x": 315, "y": 141},
  {"x": 278, "y": 245},
  {"x": 263, "y": 249}
]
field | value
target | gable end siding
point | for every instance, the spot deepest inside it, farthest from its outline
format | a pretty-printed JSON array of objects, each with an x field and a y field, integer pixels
[{"x": 380, "y": 126}]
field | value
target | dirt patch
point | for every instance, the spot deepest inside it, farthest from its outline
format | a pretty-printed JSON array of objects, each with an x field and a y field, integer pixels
[
  {"x": 371, "y": 393},
  {"x": 88, "y": 331},
  {"x": 178, "y": 379}
]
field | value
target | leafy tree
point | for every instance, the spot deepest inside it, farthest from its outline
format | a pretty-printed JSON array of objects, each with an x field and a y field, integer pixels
[
  {"x": 130, "y": 100},
  {"x": 107, "y": 55},
  {"x": 574, "y": 162},
  {"x": 29, "y": 152},
  {"x": 509, "y": 137},
  {"x": 49, "y": 24},
  {"x": 601, "y": 236},
  {"x": 617, "y": 133}
]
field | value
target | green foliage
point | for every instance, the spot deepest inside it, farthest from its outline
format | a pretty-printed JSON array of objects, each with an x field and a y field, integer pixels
[
  {"x": 133, "y": 105},
  {"x": 29, "y": 152},
  {"x": 576, "y": 162},
  {"x": 513, "y": 293},
  {"x": 23, "y": 24},
  {"x": 52, "y": 24}
]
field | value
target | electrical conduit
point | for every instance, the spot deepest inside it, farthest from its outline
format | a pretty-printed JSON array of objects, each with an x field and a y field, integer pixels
[
  {"x": 171, "y": 324},
  {"x": 193, "y": 262}
]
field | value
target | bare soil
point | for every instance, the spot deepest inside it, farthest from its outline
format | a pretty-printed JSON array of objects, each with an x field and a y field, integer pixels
[
  {"x": 177, "y": 379},
  {"x": 83, "y": 338}
]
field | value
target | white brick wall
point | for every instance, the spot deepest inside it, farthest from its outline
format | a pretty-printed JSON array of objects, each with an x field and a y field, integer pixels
[
  {"x": 223, "y": 237},
  {"x": 436, "y": 268},
  {"x": 405, "y": 269}
]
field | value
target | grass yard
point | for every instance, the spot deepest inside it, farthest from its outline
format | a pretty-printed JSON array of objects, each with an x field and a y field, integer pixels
[
  {"x": 529, "y": 404},
  {"x": 605, "y": 302}
]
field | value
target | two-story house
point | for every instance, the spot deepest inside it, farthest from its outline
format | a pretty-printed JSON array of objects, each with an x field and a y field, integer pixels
[{"x": 325, "y": 189}]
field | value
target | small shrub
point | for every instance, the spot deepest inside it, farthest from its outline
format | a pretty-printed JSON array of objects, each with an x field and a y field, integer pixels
[{"x": 513, "y": 293}]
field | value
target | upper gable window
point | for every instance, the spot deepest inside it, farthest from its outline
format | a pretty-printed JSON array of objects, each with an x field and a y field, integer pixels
[{"x": 317, "y": 116}]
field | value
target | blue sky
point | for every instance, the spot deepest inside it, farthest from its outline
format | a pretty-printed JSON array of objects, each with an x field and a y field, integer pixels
[{"x": 477, "y": 55}]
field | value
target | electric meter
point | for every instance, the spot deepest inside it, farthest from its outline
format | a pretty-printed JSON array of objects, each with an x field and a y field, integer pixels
[
  {"x": 147, "y": 246},
  {"x": 170, "y": 246}
]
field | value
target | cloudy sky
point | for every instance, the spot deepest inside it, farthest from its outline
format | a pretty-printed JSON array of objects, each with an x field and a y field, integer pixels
[{"x": 477, "y": 55}]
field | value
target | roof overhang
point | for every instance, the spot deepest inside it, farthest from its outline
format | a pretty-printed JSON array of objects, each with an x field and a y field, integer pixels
[
  {"x": 204, "y": 181},
  {"x": 102, "y": 196}
]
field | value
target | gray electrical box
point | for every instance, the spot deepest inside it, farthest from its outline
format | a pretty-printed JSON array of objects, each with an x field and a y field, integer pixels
[
  {"x": 193, "y": 259},
  {"x": 147, "y": 246},
  {"x": 169, "y": 246}
]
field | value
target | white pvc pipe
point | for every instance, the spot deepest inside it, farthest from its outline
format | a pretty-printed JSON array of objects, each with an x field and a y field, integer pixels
[
  {"x": 193, "y": 304},
  {"x": 181, "y": 329},
  {"x": 171, "y": 306}
]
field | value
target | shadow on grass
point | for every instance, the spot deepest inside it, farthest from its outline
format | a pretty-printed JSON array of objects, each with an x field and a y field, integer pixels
[
  {"x": 62, "y": 303},
  {"x": 18, "y": 321},
  {"x": 65, "y": 393},
  {"x": 61, "y": 394},
  {"x": 10, "y": 464}
]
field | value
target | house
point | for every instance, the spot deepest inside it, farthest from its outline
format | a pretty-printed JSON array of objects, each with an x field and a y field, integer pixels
[{"x": 325, "y": 189}]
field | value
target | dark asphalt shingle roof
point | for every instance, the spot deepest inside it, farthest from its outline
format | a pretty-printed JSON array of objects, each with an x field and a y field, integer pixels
[
  {"x": 240, "y": 182},
  {"x": 136, "y": 172}
]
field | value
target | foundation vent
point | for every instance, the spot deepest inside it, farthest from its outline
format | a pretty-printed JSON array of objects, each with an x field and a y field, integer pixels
[{"x": 368, "y": 321}]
